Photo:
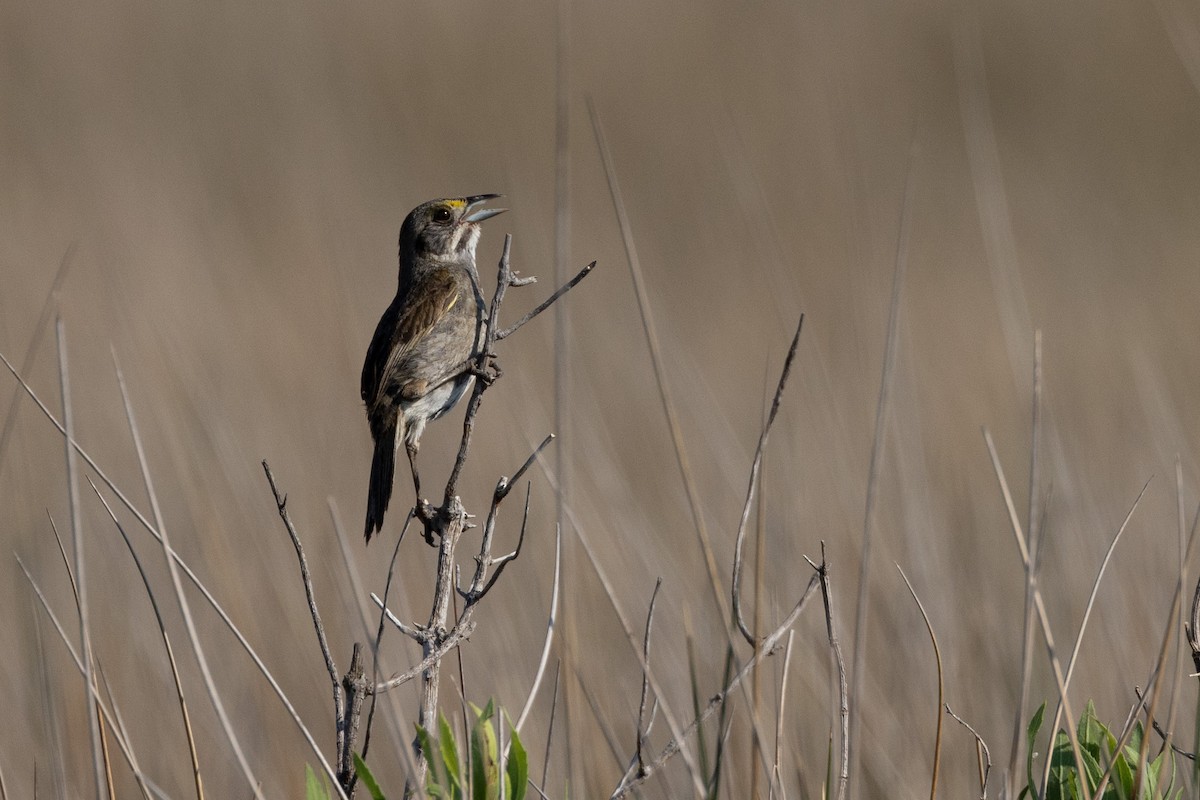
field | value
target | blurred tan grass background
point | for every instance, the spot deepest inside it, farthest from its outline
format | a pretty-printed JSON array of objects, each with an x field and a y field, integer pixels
[{"x": 234, "y": 176}]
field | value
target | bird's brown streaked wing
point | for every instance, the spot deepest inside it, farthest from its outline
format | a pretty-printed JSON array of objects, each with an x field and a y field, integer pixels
[
  {"x": 430, "y": 299},
  {"x": 377, "y": 353}
]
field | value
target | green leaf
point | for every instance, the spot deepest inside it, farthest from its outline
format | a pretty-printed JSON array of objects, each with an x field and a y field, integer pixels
[
  {"x": 1035, "y": 725},
  {"x": 429, "y": 751},
  {"x": 1090, "y": 732},
  {"x": 368, "y": 780},
  {"x": 1093, "y": 768},
  {"x": 316, "y": 788},
  {"x": 485, "y": 766},
  {"x": 1122, "y": 777},
  {"x": 517, "y": 769},
  {"x": 1134, "y": 744},
  {"x": 450, "y": 757}
]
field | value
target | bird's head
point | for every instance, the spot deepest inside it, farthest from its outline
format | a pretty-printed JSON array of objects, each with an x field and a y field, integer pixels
[{"x": 445, "y": 230}]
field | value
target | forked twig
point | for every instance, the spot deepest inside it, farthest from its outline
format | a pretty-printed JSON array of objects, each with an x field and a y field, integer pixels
[{"x": 549, "y": 301}]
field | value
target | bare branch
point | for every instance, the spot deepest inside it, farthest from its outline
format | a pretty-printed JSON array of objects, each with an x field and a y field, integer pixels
[
  {"x": 436, "y": 652},
  {"x": 505, "y": 485},
  {"x": 549, "y": 301},
  {"x": 502, "y": 562},
  {"x": 632, "y": 639},
  {"x": 407, "y": 630},
  {"x": 1166, "y": 736},
  {"x": 339, "y": 708}
]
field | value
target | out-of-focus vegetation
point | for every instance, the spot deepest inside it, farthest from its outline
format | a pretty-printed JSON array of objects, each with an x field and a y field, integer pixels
[{"x": 228, "y": 180}]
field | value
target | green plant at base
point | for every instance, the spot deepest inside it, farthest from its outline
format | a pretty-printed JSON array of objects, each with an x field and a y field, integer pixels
[
  {"x": 316, "y": 788},
  {"x": 448, "y": 777},
  {"x": 1098, "y": 749},
  {"x": 480, "y": 778}
]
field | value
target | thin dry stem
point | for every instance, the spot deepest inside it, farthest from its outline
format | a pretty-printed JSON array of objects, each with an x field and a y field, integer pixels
[
  {"x": 983, "y": 754},
  {"x": 642, "y": 730},
  {"x": 549, "y": 301},
  {"x": 85, "y": 638},
  {"x": 1040, "y": 608},
  {"x": 1087, "y": 612},
  {"x": 629, "y": 782},
  {"x": 777, "y": 769},
  {"x": 93, "y": 693},
  {"x": 174, "y": 558},
  {"x": 750, "y": 636},
  {"x": 170, "y": 651},
  {"x": 554, "y": 593},
  {"x": 633, "y": 642},
  {"x": 652, "y": 342},
  {"x": 39, "y": 328},
  {"x": 1159, "y": 673},
  {"x": 878, "y": 441},
  {"x": 844, "y": 717},
  {"x": 339, "y": 705},
  {"x": 937, "y": 655},
  {"x": 158, "y": 519}
]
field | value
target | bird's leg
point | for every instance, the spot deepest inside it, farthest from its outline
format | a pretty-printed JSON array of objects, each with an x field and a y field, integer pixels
[
  {"x": 412, "y": 463},
  {"x": 422, "y": 511}
]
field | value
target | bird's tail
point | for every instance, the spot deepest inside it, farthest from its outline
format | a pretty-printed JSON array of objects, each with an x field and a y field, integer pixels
[{"x": 383, "y": 468}]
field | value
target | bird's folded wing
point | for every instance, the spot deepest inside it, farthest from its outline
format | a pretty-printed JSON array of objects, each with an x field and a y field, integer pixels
[{"x": 430, "y": 299}]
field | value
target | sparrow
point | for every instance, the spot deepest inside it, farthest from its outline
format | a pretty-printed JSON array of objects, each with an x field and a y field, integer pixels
[{"x": 434, "y": 324}]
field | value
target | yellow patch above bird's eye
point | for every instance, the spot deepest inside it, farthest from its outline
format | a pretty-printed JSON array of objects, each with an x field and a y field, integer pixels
[{"x": 456, "y": 203}]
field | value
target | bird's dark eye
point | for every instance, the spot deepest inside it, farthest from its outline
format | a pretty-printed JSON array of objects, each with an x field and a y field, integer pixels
[{"x": 441, "y": 214}]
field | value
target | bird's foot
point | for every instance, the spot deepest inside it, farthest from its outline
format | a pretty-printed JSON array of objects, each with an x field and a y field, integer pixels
[
  {"x": 489, "y": 373},
  {"x": 424, "y": 511}
]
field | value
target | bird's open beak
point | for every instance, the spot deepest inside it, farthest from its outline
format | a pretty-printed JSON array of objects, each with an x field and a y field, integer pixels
[{"x": 483, "y": 213}]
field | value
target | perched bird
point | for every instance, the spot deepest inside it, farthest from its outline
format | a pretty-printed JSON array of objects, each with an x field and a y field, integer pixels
[{"x": 433, "y": 325}]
